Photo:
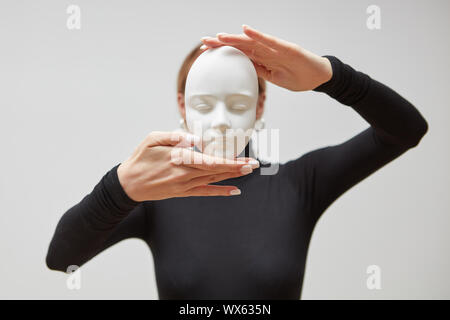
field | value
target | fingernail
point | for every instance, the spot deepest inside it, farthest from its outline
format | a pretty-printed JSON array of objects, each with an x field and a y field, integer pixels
[
  {"x": 254, "y": 163},
  {"x": 202, "y": 47},
  {"x": 176, "y": 160},
  {"x": 246, "y": 169},
  {"x": 245, "y": 26},
  {"x": 221, "y": 34},
  {"x": 235, "y": 192},
  {"x": 206, "y": 38}
]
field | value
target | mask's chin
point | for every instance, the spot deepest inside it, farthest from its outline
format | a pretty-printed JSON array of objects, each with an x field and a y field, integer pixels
[{"x": 226, "y": 146}]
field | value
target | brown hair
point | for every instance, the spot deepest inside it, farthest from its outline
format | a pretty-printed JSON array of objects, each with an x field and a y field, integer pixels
[{"x": 186, "y": 66}]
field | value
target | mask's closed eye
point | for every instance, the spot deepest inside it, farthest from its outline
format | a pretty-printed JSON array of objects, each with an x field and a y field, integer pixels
[
  {"x": 238, "y": 102},
  {"x": 203, "y": 107},
  {"x": 239, "y": 107}
]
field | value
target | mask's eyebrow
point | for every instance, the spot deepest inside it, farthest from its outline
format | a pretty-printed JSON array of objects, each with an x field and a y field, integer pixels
[
  {"x": 239, "y": 96},
  {"x": 243, "y": 95},
  {"x": 201, "y": 96}
]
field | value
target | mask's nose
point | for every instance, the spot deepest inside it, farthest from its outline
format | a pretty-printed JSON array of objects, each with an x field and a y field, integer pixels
[{"x": 221, "y": 121}]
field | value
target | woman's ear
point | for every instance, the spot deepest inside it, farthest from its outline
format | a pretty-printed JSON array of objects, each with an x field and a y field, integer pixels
[
  {"x": 260, "y": 105},
  {"x": 181, "y": 107}
]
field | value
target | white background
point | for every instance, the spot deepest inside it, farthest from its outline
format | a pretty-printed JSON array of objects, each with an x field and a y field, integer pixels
[{"x": 76, "y": 103}]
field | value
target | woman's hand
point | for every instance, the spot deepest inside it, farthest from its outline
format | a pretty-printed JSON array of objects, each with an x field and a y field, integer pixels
[
  {"x": 163, "y": 167},
  {"x": 281, "y": 62}
]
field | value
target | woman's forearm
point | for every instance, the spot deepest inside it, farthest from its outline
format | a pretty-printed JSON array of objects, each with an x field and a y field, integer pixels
[
  {"x": 395, "y": 126},
  {"x": 82, "y": 231},
  {"x": 395, "y": 120}
]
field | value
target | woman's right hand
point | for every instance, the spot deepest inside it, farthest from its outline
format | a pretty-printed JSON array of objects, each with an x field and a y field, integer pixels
[{"x": 163, "y": 167}]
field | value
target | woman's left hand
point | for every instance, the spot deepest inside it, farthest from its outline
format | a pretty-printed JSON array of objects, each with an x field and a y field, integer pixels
[{"x": 281, "y": 62}]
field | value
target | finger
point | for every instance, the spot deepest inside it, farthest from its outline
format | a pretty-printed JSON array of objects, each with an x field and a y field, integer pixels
[
  {"x": 253, "y": 162},
  {"x": 212, "y": 190},
  {"x": 194, "y": 159},
  {"x": 253, "y": 49},
  {"x": 262, "y": 71},
  {"x": 243, "y": 42},
  {"x": 195, "y": 173},
  {"x": 212, "y": 42},
  {"x": 266, "y": 39},
  {"x": 175, "y": 138},
  {"x": 236, "y": 39},
  {"x": 211, "y": 178}
]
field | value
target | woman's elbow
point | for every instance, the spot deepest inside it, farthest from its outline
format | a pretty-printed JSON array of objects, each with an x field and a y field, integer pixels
[
  {"x": 53, "y": 263},
  {"x": 420, "y": 130}
]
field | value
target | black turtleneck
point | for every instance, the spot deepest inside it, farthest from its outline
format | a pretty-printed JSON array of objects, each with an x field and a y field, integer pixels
[{"x": 251, "y": 246}]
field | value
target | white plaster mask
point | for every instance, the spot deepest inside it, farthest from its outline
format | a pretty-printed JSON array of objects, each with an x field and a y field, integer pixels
[{"x": 221, "y": 95}]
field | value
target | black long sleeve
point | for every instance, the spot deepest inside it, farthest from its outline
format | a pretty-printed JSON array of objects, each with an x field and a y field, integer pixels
[
  {"x": 395, "y": 126},
  {"x": 102, "y": 218}
]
